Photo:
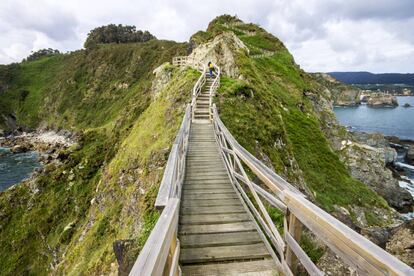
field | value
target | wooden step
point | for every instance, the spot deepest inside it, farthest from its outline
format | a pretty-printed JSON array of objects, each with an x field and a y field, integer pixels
[
  {"x": 223, "y": 253},
  {"x": 206, "y": 181},
  {"x": 212, "y": 210},
  {"x": 246, "y": 226},
  {"x": 213, "y": 219},
  {"x": 210, "y": 191},
  {"x": 209, "y": 196},
  {"x": 207, "y": 187},
  {"x": 221, "y": 239},
  {"x": 211, "y": 202},
  {"x": 264, "y": 267}
]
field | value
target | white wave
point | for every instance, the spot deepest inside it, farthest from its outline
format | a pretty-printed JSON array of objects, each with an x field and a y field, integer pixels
[
  {"x": 404, "y": 165},
  {"x": 409, "y": 186}
]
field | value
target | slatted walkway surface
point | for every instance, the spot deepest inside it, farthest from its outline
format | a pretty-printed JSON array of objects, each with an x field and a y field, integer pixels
[{"x": 217, "y": 235}]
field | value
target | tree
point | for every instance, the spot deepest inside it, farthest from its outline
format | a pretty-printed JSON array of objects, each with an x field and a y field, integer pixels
[
  {"x": 116, "y": 34},
  {"x": 35, "y": 55}
]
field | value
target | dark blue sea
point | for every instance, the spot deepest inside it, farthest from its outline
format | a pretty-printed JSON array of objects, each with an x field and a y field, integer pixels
[
  {"x": 16, "y": 167},
  {"x": 397, "y": 121}
]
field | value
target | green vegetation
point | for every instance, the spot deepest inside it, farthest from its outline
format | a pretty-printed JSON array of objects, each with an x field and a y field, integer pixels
[
  {"x": 67, "y": 220},
  {"x": 104, "y": 191},
  {"x": 42, "y": 53},
  {"x": 116, "y": 34},
  {"x": 270, "y": 115}
]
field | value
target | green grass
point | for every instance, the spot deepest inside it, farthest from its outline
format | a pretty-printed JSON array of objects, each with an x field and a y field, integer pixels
[
  {"x": 124, "y": 139},
  {"x": 269, "y": 114}
]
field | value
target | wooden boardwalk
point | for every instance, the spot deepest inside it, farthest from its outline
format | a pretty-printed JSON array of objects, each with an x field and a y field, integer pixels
[
  {"x": 205, "y": 226},
  {"x": 217, "y": 235}
]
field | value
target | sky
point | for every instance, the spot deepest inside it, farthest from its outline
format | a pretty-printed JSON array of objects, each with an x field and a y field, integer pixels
[{"x": 322, "y": 35}]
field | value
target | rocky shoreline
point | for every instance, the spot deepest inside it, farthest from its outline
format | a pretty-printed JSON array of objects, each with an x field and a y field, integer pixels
[{"x": 52, "y": 146}]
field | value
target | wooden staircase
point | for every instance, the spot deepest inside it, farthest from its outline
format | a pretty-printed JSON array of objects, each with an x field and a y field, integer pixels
[
  {"x": 202, "y": 108},
  {"x": 213, "y": 219},
  {"x": 218, "y": 236}
]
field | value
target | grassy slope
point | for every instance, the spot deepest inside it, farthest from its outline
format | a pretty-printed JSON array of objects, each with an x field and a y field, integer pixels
[
  {"x": 269, "y": 113},
  {"x": 105, "y": 189}
]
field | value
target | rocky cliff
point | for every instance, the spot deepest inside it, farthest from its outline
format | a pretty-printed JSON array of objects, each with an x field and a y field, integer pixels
[
  {"x": 381, "y": 100},
  {"x": 342, "y": 94}
]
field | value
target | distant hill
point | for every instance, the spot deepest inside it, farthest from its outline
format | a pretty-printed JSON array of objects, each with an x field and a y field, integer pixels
[{"x": 367, "y": 78}]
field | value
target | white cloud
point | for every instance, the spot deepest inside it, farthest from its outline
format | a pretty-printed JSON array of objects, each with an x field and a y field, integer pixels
[{"x": 323, "y": 35}]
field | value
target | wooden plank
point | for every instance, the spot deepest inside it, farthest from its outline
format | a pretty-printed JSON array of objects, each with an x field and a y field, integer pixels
[
  {"x": 207, "y": 182},
  {"x": 166, "y": 182},
  {"x": 259, "y": 267},
  {"x": 211, "y": 202},
  {"x": 196, "y": 187},
  {"x": 310, "y": 267},
  {"x": 294, "y": 230},
  {"x": 206, "y": 177},
  {"x": 210, "y": 192},
  {"x": 214, "y": 219},
  {"x": 152, "y": 258},
  {"x": 217, "y": 228},
  {"x": 354, "y": 249},
  {"x": 222, "y": 239},
  {"x": 223, "y": 253},
  {"x": 211, "y": 210},
  {"x": 210, "y": 196}
]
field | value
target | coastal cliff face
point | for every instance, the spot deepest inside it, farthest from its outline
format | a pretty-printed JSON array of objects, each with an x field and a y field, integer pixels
[
  {"x": 342, "y": 94},
  {"x": 125, "y": 104}
]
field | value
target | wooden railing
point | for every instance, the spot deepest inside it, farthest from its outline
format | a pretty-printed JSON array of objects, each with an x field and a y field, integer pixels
[
  {"x": 355, "y": 250},
  {"x": 160, "y": 254},
  {"x": 213, "y": 88},
  {"x": 162, "y": 249}
]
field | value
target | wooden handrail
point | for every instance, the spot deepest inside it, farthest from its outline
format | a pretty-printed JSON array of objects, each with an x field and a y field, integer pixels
[
  {"x": 161, "y": 251},
  {"x": 354, "y": 249},
  {"x": 160, "y": 244},
  {"x": 172, "y": 179}
]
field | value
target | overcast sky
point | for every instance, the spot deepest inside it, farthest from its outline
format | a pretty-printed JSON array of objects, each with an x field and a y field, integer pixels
[{"x": 323, "y": 35}]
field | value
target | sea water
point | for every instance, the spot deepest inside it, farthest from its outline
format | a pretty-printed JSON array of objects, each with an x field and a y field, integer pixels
[
  {"x": 398, "y": 121},
  {"x": 16, "y": 167}
]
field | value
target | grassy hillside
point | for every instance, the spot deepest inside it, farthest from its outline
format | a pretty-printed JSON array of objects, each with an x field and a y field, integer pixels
[
  {"x": 271, "y": 111},
  {"x": 67, "y": 220},
  {"x": 69, "y": 217}
]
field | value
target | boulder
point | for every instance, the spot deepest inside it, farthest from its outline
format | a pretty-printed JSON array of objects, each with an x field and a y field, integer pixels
[
  {"x": 401, "y": 242},
  {"x": 377, "y": 235},
  {"x": 407, "y": 105},
  {"x": 19, "y": 149},
  {"x": 382, "y": 100},
  {"x": 126, "y": 252},
  {"x": 410, "y": 154}
]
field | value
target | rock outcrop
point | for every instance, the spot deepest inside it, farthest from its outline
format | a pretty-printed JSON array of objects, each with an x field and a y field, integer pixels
[
  {"x": 163, "y": 74},
  {"x": 367, "y": 162},
  {"x": 342, "y": 94},
  {"x": 381, "y": 100},
  {"x": 401, "y": 243},
  {"x": 221, "y": 51}
]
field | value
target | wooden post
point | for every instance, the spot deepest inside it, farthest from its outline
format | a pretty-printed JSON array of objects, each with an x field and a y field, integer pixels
[{"x": 295, "y": 230}]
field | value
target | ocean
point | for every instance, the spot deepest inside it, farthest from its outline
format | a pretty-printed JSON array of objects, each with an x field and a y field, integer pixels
[
  {"x": 16, "y": 167},
  {"x": 397, "y": 121}
]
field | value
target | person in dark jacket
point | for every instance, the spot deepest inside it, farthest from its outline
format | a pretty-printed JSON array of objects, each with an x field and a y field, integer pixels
[{"x": 210, "y": 68}]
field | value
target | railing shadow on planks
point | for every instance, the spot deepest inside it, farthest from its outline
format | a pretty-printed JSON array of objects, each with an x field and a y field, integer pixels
[{"x": 160, "y": 255}]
